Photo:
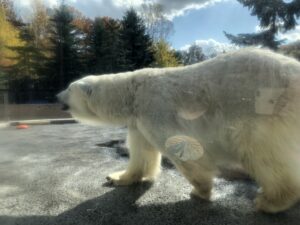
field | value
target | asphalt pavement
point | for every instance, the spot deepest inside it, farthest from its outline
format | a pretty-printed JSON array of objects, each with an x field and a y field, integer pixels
[{"x": 55, "y": 175}]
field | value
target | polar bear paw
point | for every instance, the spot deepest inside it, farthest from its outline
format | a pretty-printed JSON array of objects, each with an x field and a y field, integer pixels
[
  {"x": 203, "y": 194},
  {"x": 122, "y": 178},
  {"x": 271, "y": 206}
]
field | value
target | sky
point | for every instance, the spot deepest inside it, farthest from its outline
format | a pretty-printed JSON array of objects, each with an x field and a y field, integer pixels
[{"x": 195, "y": 21}]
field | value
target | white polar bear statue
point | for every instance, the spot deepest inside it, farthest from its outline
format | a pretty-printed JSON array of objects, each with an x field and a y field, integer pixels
[{"x": 242, "y": 107}]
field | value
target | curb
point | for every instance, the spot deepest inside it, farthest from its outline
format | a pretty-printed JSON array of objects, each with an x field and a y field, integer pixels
[
  {"x": 4, "y": 125},
  {"x": 42, "y": 122}
]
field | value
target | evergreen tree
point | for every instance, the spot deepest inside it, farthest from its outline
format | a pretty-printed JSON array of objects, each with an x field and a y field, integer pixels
[
  {"x": 105, "y": 46},
  {"x": 97, "y": 41},
  {"x": 84, "y": 26},
  {"x": 136, "y": 51},
  {"x": 64, "y": 66},
  {"x": 274, "y": 16},
  {"x": 112, "y": 57}
]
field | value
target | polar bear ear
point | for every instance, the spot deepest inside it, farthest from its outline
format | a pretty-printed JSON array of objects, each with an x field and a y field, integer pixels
[{"x": 85, "y": 88}]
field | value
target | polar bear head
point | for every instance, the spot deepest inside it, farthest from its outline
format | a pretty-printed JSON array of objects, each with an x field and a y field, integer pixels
[
  {"x": 77, "y": 99},
  {"x": 98, "y": 100}
]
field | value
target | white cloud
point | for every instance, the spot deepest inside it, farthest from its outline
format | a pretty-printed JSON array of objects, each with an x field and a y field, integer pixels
[
  {"x": 116, "y": 8},
  {"x": 258, "y": 29},
  {"x": 26, "y": 3},
  {"x": 95, "y": 8},
  {"x": 212, "y": 47},
  {"x": 291, "y": 36},
  {"x": 51, "y": 2},
  {"x": 178, "y": 7}
]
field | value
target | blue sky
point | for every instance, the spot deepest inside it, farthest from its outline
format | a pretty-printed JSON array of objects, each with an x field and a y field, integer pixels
[
  {"x": 195, "y": 21},
  {"x": 211, "y": 21}
]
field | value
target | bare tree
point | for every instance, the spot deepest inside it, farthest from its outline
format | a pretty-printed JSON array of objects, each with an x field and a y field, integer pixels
[
  {"x": 193, "y": 55},
  {"x": 40, "y": 24},
  {"x": 158, "y": 26}
]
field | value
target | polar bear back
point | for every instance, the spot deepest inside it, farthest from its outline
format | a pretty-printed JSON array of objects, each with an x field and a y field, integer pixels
[{"x": 245, "y": 83}]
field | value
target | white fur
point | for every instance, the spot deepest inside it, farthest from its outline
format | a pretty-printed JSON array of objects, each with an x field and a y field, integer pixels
[{"x": 242, "y": 107}]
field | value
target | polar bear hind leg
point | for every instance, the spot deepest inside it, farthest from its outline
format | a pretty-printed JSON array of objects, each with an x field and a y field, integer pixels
[
  {"x": 266, "y": 153},
  {"x": 189, "y": 158},
  {"x": 144, "y": 161},
  {"x": 279, "y": 189}
]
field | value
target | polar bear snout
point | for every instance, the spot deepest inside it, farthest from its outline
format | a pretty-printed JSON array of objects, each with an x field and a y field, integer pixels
[{"x": 62, "y": 99}]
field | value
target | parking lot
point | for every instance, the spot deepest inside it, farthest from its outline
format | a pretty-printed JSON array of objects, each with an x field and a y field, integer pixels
[{"x": 55, "y": 174}]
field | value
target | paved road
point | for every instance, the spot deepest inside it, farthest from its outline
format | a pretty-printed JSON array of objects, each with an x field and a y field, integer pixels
[{"x": 55, "y": 174}]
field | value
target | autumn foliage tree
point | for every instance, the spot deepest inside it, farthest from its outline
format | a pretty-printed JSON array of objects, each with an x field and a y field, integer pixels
[
  {"x": 164, "y": 56},
  {"x": 58, "y": 45},
  {"x": 28, "y": 59},
  {"x": 24, "y": 75},
  {"x": 10, "y": 14},
  {"x": 159, "y": 28},
  {"x": 9, "y": 36}
]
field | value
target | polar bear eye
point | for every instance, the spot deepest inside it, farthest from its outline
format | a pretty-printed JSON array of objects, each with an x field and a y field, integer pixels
[{"x": 86, "y": 88}]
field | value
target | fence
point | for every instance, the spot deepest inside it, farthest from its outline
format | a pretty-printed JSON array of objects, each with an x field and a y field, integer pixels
[
  {"x": 31, "y": 111},
  {"x": 40, "y": 106},
  {"x": 3, "y": 105}
]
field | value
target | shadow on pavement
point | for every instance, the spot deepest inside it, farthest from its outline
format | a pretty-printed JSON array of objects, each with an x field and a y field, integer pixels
[{"x": 120, "y": 206}]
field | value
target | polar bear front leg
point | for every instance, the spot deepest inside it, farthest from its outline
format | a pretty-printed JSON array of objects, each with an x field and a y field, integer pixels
[{"x": 144, "y": 161}]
